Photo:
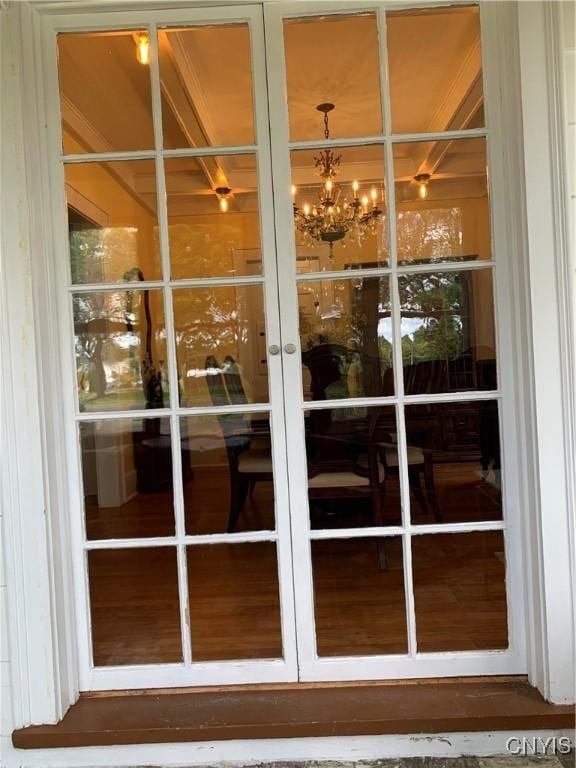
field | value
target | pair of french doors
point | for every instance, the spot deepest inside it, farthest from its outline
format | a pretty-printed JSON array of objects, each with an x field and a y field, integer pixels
[{"x": 287, "y": 402}]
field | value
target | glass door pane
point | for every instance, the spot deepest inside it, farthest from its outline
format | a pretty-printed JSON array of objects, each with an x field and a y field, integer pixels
[{"x": 388, "y": 313}]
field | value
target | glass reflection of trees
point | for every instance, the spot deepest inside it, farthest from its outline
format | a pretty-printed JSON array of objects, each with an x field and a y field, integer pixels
[
  {"x": 430, "y": 234},
  {"x": 437, "y": 324},
  {"x": 221, "y": 323},
  {"x": 349, "y": 322},
  {"x": 116, "y": 339},
  {"x": 119, "y": 351}
]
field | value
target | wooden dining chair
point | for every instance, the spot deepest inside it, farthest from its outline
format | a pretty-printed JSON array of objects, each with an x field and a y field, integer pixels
[
  {"x": 247, "y": 445},
  {"x": 420, "y": 465},
  {"x": 342, "y": 466}
]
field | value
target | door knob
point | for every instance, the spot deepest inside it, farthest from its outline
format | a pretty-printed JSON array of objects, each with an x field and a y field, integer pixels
[
  {"x": 274, "y": 349},
  {"x": 289, "y": 349}
]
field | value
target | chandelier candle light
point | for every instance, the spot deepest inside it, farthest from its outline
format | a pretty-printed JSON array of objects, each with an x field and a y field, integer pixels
[
  {"x": 335, "y": 216},
  {"x": 142, "y": 40}
]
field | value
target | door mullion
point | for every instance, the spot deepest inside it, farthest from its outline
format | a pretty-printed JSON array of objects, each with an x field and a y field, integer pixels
[{"x": 276, "y": 369}]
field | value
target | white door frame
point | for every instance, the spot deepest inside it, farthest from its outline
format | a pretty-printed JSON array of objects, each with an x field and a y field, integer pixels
[{"x": 41, "y": 603}]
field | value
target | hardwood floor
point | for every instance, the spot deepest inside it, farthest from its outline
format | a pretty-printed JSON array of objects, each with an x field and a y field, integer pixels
[
  {"x": 358, "y": 583},
  {"x": 463, "y": 496},
  {"x": 359, "y": 605}
]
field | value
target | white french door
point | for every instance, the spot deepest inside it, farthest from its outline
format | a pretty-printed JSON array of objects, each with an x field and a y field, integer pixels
[
  {"x": 289, "y": 446},
  {"x": 162, "y": 568},
  {"x": 409, "y": 315}
]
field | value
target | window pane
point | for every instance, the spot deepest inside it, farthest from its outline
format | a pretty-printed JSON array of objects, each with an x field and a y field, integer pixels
[
  {"x": 227, "y": 470},
  {"x": 448, "y": 336},
  {"x": 134, "y": 606},
  {"x": 120, "y": 343},
  {"x": 213, "y": 216},
  {"x": 340, "y": 218},
  {"x": 454, "y": 461},
  {"x": 112, "y": 223},
  {"x": 346, "y": 338},
  {"x": 435, "y": 69},
  {"x": 221, "y": 337},
  {"x": 333, "y": 59},
  {"x": 206, "y": 82},
  {"x": 352, "y": 458},
  {"x": 460, "y": 591},
  {"x": 105, "y": 98},
  {"x": 234, "y": 601},
  {"x": 359, "y": 596},
  {"x": 127, "y": 478},
  {"x": 442, "y": 206}
]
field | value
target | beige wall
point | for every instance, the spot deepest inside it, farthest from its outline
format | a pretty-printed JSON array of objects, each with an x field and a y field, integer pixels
[{"x": 103, "y": 193}]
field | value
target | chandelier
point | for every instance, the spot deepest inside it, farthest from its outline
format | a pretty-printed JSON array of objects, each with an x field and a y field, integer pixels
[{"x": 335, "y": 215}]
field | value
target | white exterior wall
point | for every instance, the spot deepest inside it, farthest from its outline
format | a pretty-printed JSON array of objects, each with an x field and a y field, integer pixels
[
  {"x": 569, "y": 45},
  {"x": 5, "y": 687},
  {"x": 568, "y": 20}
]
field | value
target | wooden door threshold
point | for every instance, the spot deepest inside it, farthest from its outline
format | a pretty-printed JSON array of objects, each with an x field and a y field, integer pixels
[{"x": 299, "y": 710}]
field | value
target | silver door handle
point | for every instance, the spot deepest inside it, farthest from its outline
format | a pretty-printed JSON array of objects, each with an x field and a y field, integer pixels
[
  {"x": 289, "y": 349},
  {"x": 274, "y": 349}
]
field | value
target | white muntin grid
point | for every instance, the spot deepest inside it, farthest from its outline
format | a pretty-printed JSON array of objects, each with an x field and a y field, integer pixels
[{"x": 292, "y": 531}]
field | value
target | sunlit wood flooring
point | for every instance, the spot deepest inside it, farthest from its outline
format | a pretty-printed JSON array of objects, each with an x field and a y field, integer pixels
[{"x": 233, "y": 589}]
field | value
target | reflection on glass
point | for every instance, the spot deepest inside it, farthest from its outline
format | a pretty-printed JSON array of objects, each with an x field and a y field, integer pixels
[
  {"x": 359, "y": 596},
  {"x": 442, "y": 203},
  {"x": 227, "y": 467},
  {"x": 460, "y": 591},
  {"x": 234, "y": 601},
  {"x": 447, "y": 326},
  {"x": 220, "y": 332},
  {"x": 346, "y": 338},
  {"x": 127, "y": 478},
  {"x": 340, "y": 222},
  {"x": 352, "y": 459},
  {"x": 435, "y": 69},
  {"x": 120, "y": 341},
  {"x": 213, "y": 219},
  {"x": 206, "y": 79},
  {"x": 112, "y": 224},
  {"x": 105, "y": 100},
  {"x": 460, "y": 444},
  {"x": 321, "y": 53},
  {"x": 134, "y": 606}
]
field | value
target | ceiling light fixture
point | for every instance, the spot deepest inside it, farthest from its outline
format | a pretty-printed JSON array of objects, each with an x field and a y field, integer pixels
[
  {"x": 335, "y": 216},
  {"x": 142, "y": 40},
  {"x": 223, "y": 194},
  {"x": 422, "y": 179}
]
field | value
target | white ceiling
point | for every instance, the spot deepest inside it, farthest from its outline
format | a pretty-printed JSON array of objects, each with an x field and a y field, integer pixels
[{"x": 435, "y": 84}]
